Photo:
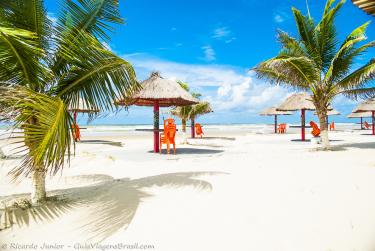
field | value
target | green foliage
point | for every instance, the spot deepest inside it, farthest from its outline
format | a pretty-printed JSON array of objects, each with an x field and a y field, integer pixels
[
  {"x": 191, "y": 111},
  {"x": 314, "y": 62},
  {"x": 45, "y": 67}
]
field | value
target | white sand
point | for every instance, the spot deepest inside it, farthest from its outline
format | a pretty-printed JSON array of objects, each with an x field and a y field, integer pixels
[{"x": 258, "y": 192}]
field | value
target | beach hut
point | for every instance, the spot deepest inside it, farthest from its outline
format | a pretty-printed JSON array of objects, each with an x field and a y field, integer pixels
[
  {"x": 273, "y": 112},
  {"x": 368, "y": 106},
  {"x": 298, "y": 101},
  {"x": 81, "y": 107},
  {"x": 159, "y": 92},
  {"x": 360, "y": 115}
]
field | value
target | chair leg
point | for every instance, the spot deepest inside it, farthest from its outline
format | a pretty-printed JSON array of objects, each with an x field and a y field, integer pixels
[
  {"x": 174, "y": 149},
  {"x": 160, "y": 146},
  {"x": 168, "y": 148}
]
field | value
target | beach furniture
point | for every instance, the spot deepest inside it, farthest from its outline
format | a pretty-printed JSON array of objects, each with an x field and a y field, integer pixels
[
  {"x": 332, "y": 126},
  {"x": 367, "y": 125},
  {"x": 282, "y": 128},
  {"x": 79, "y": 107},
  {"x": 199, "y": 130},
  {"x": 272, "y": 111},
  {"x": 76, "y": 132},
  {"x": 299, "y": 101},
  {"x": 168, "y": 136},
  {"x": 360, "y": 115},
  {"x": 316, "y": 131},
  {"x": 368, "y": 106},
  {"x": 159, "y": 92}
]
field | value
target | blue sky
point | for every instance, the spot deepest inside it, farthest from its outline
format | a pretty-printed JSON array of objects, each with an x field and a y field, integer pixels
[{"x": 211, "y": 45}]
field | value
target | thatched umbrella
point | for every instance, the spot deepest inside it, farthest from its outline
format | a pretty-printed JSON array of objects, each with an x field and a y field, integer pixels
[
  {"x": 368, "y": 106},
  {"x": 273, "y": 112},
  {"x": 159, "y": 92},
  {"x": 299, "y": 101},
  {"x": 360, "y": 115},
  {"x": 81, "y": 107}
]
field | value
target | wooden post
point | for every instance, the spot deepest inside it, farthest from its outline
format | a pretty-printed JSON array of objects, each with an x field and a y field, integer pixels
[
  {"x": 303, "y": 124},
  {"x": 156, "y": 126},
  {"x": 275, "y": 123},
  {"x": 192, "y": 128},
  {"x": 75, "y": 117},
  {"x": 373, "y": 122}
]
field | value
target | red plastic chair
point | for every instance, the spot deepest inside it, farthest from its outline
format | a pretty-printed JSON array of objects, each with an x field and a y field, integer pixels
[
  {"x": 168, "y": 136},
  {"x": 316, "y": 131},
  {"x": 367, "y": 125},
  {"x": 199, "y": 130},
  {"x": 76, "y": 132},
  {"x": 332, "y": 126}
]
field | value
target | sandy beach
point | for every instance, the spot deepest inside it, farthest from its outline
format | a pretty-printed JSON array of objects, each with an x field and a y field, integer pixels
[{"x": 240, "y": 188}]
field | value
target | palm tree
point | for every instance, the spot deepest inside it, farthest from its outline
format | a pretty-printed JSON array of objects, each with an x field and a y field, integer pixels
[
  {"x": 314, "y": 62},
  {"x": 46, "y": 66},
  {"x": 191, "y": 112}
]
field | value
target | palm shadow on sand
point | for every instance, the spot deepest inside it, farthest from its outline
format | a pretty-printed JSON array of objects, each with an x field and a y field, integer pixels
[
  {"x": 109, "y": 206},
  {"x": 344, "y": 147}
]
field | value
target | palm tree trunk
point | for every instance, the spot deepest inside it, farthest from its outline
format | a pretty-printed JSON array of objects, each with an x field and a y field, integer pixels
[
  {"x": 183, "y": 122},
  {"x": 192, "y": 128},
  {"x": 322, "y": 115},
  {"x": 38, "y": 193}
]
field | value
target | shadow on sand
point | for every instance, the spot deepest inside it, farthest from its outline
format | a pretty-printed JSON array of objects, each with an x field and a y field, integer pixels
[
  {"x": 187, "y": 151},
  {"x": 103, "y": 142},
  {"x": 365, "y": 145},
  {"x": 107, "y": 206}
]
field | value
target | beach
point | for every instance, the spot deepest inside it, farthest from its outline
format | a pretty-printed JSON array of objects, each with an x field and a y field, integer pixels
[{"x": 239, "y": 188}]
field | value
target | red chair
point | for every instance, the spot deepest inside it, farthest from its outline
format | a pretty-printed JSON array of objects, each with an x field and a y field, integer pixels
[
  {"x": 168, "y": 136},
  {"x": 76, "y": 132},
  {"x": 332, "y": 126},
  {"x": 199, "y": 130},
  {"x": 316, "y": 131},
  {"x": 281, "y": 128},
  {"x": 367, "y": 125}
]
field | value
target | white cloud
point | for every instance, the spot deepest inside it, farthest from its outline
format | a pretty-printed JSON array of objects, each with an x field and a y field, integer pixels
[
  {"x": 278, "y": 18},
  {"x": 209, "y": 53},
  {"x": 228, "y": 88},
  {"x": 230, "y": 40},
  {"x": 221, "y": 32}
]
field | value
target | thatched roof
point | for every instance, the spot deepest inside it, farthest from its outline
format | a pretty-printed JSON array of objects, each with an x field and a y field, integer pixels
[
  {"x": 367, "y": 106},
  {"x": 360, "y": 115},
  {"x": 82, "y": 108},
  {"x": 297, "y": 102},
  {"x": 156, "y": 88},
  {"x": 332, "y": 112},
  {"x": 366, "y": 5},
  {"x": 272, "y": 111}
]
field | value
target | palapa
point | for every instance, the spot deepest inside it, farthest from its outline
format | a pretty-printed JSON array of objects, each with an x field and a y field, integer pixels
[
  {"x": 272, "y": 111},
  {"x": 158, "y": 92}
]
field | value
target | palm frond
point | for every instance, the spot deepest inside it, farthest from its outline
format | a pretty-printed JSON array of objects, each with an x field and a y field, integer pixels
[
  {"x": 45, "y": 122},
  {"x": 359, "y": 78},
  {"x": 18, "y": 50},
  {"x": 364, "y": 93},
  {"x": 297, "y": 72},
  {"x": 28, "y": 15},
  {"x": 307, "y": 33},
  {"x": 95, "y": 75},
  {"x": 343, "y": 59},
  {"x": 199, "y": 109},
  {"x": 325, "y": 33}
]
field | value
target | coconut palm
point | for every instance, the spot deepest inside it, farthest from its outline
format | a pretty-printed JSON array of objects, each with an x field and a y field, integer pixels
[
  {"x": 191, "y": 112},
  {"x": 314, "y": 62},
  {"x": 47, "y": 66}
]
